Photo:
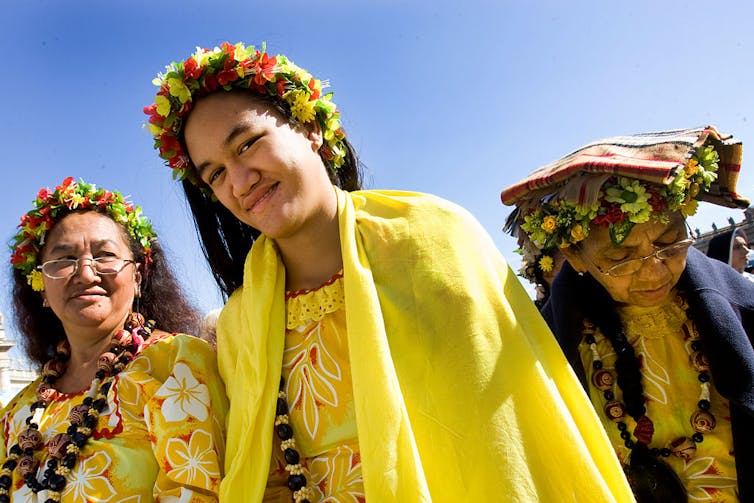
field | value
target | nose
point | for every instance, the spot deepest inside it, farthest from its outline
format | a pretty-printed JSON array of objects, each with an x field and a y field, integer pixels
[
  {"x": 242, "y": 179},
  {"x": 86, "y": 270},
  {"x": 652, "y": 267}
]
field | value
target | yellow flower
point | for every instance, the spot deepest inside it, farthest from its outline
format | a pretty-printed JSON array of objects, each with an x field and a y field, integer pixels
[
  {"x": 178, "y": 89},
  {"x": 692, "y": 167},
  {"x": 163, "y": 105},
  {"x": 549, "y": 224},
  {"x": 76, "y": 200},
  {"x": 577, "y": 233},
  {"x": 35, "y": 279},
  {"x": 546, "y": 263},
  {"x": 301, "y": 108},
  {"x": 689, "y": 208}
]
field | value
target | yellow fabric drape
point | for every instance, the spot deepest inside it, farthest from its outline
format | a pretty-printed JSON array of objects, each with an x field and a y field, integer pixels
[{"x": 461, "y": 393}]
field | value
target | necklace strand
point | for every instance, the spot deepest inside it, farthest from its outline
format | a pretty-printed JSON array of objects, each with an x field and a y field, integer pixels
[
  {"x": 296, "y": 478},
  {"x": 628, "y": 377},
  {"x": 63, "y": 448}
]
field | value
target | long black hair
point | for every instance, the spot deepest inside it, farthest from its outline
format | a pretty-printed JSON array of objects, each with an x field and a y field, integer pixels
[
  {"x": 161, "y": 300},
  {"x": 224, "y": 239}
]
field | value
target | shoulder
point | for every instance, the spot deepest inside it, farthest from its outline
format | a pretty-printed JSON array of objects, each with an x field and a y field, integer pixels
[
  {"x": 391, "y": 202},
  {"x": 171, "y": 353},
  {"x": 711, "y": 279}
]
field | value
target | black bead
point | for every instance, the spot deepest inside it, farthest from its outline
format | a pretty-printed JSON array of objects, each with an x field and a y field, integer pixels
[
  {"x": 296, "y": 482},
  {"x": 5, "y": 482},
  {"x": 654, "y": 451},
  {"x": 79, "y": 439},
  {"x": 10, "y": 464},
  {"x": 597, "y": 364},
  {"x": 57, "y": 482},
  {"x": 291, "y": 456},
  {"x": 72, "y": 429},
  {"x": 69, "y": 460},
  {"x": 697, "y": 437},
  {"x": 29, "y": 451},
  {"x": 704, "y": 377},
  {"x": 88, "y": 401},
  {"x": 703, "y": 404},
  {"x": 609, "y": 395},
  {"x": 16, "y": 450},
  {"x": 28, "y": 420},
  {"x": 50, "y": 500},
  {"x": 4, "y": 498},
  {"x": 622, "y": 426},
  {"x": 284, "y": 431},
  {"x": 99, "y": 404},
  {"x": 625, "y": 435},
  {"x": 282, "y": 383},
  {"x": 589, "y": 339},
  {"x": 282, "y": 407},
  {"x": 696, "y": 345},
  {"x": 100, "y": 374},
  {"x": 90, "y": 421},
  {"x": 665, "y": 452},
  {"x": 105, "y": 387},
  {"x": 630, "y": 444},
  {"x": 52, "y": 463},
  {"x": 48, "y": 473}
]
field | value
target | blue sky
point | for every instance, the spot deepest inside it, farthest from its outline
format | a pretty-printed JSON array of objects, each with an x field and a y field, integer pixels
[{"x": 459, "y": 99}]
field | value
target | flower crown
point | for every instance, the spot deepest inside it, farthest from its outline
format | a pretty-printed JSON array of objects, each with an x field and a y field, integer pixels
[
  {"x": 239, "y": 67},
  {"x": 621, "y": 203},
  {"x": 49, "y": 206}
]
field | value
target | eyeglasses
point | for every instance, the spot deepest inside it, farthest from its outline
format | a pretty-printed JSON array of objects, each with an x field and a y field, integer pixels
[
  {"x": 67, "y": 267},
  {"x": 630, "y": 266}
]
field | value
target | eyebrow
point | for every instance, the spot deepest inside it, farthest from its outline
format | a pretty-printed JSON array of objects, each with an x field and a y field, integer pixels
[
  {"x": 234, "y": 133},
  {"x": 63, "y": 247}
]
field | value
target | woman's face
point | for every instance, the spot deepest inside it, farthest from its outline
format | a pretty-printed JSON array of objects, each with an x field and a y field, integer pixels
[
  {"x": 738, "y": 253},
  {"x": 87, "y": 300},
  {"x": 263, "y": 169},
  {"x": 653, "y": 282}
]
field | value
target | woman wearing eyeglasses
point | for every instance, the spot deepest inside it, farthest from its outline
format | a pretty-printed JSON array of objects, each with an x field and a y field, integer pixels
[
  {"x": 123, "y": 409},
  {"x": 660, "y": 335}
]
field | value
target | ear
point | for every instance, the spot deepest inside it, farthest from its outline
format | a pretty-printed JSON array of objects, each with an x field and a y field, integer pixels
[
  {"x": 573, "y": 256},
  {"x": 315, "y": 135},
  {"x": 44, "y": 300}
]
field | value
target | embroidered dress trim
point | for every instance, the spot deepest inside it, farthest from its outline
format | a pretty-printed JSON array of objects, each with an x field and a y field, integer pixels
[{"x": 305, "y": 306}]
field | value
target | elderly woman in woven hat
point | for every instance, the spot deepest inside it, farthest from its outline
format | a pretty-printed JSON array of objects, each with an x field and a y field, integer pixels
[
  {"x": 660, "y": 335},
  {"x": 375, "y": 345},
  {"x": 123, "y": 408}
]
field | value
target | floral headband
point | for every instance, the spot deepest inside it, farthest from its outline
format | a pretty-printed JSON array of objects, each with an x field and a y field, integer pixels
[
  {"x": 49, "y": 206},
  {"x": 621, "y": 203},
  {"x": 239, "y": 67}
]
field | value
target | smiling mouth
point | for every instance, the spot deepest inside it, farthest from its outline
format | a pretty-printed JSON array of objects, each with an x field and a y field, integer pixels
[{"x": 253, "y": 202}]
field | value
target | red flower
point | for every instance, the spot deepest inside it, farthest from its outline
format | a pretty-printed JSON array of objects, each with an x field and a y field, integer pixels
[
  {"x": 192, "y": 69},
  {"x": 66, "y": 183},
  {"x": 657, "y": 202},
  {"x": 265, "y": 69},
  {"x": 314, "y": 90},
  {"x": 613, "y": 214},
  {"x": 281, "y": 87},
  {"x": 168, "y": 144},
  {"x": 210, "y": 84},
  {"x": 226, "y": 76},
  {"x": 230, "y": 50},
  {"x": 104, "y": 199},
  {"x": 44, "y": 195}
]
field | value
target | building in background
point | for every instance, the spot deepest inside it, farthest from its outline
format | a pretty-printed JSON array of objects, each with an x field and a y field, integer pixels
[
  {"x": 747, "y": 225},
  {"x": 14, "y": 372}
]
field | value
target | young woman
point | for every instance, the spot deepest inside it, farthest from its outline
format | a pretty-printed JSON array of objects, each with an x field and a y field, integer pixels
[
  {"x": 375, "y": 345},
  {"x": 660, "y": 335},
  {"x": 122, "y": 409}
]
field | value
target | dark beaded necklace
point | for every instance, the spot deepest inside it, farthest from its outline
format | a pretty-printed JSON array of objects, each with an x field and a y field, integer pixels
[
  {"x": 296, "y": 478},
  {"x": 63, "y": 449},
  {"x": 627, "y": 375}
]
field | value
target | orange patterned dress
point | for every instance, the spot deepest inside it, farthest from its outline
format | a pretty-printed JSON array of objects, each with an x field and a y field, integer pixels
[{"x": 320, "y": 398}]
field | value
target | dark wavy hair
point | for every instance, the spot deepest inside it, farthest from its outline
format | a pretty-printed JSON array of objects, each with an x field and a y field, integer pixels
[
  {"x": 161, "y": 300},
  {"x": 224, "y": 239}
]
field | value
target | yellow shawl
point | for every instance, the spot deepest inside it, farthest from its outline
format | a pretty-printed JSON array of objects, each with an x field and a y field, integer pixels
[{"x": 461, "y": 393}]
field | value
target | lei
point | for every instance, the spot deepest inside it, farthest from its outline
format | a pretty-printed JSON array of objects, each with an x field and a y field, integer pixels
[
  {"x": 622, "y": 203},
  {"x": 70, "y": 195},
  {"x": 238, "y": 67}
]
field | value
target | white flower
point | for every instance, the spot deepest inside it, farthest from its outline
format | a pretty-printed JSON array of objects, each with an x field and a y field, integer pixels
[{"x": 184, "y": 396}]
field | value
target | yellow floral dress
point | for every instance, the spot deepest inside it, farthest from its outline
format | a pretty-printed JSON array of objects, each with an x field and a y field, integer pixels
[
  {"x": 320, "y": 398},
  {"x": 160, "y": 437},
  {"x": 661, "y": 338}
]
